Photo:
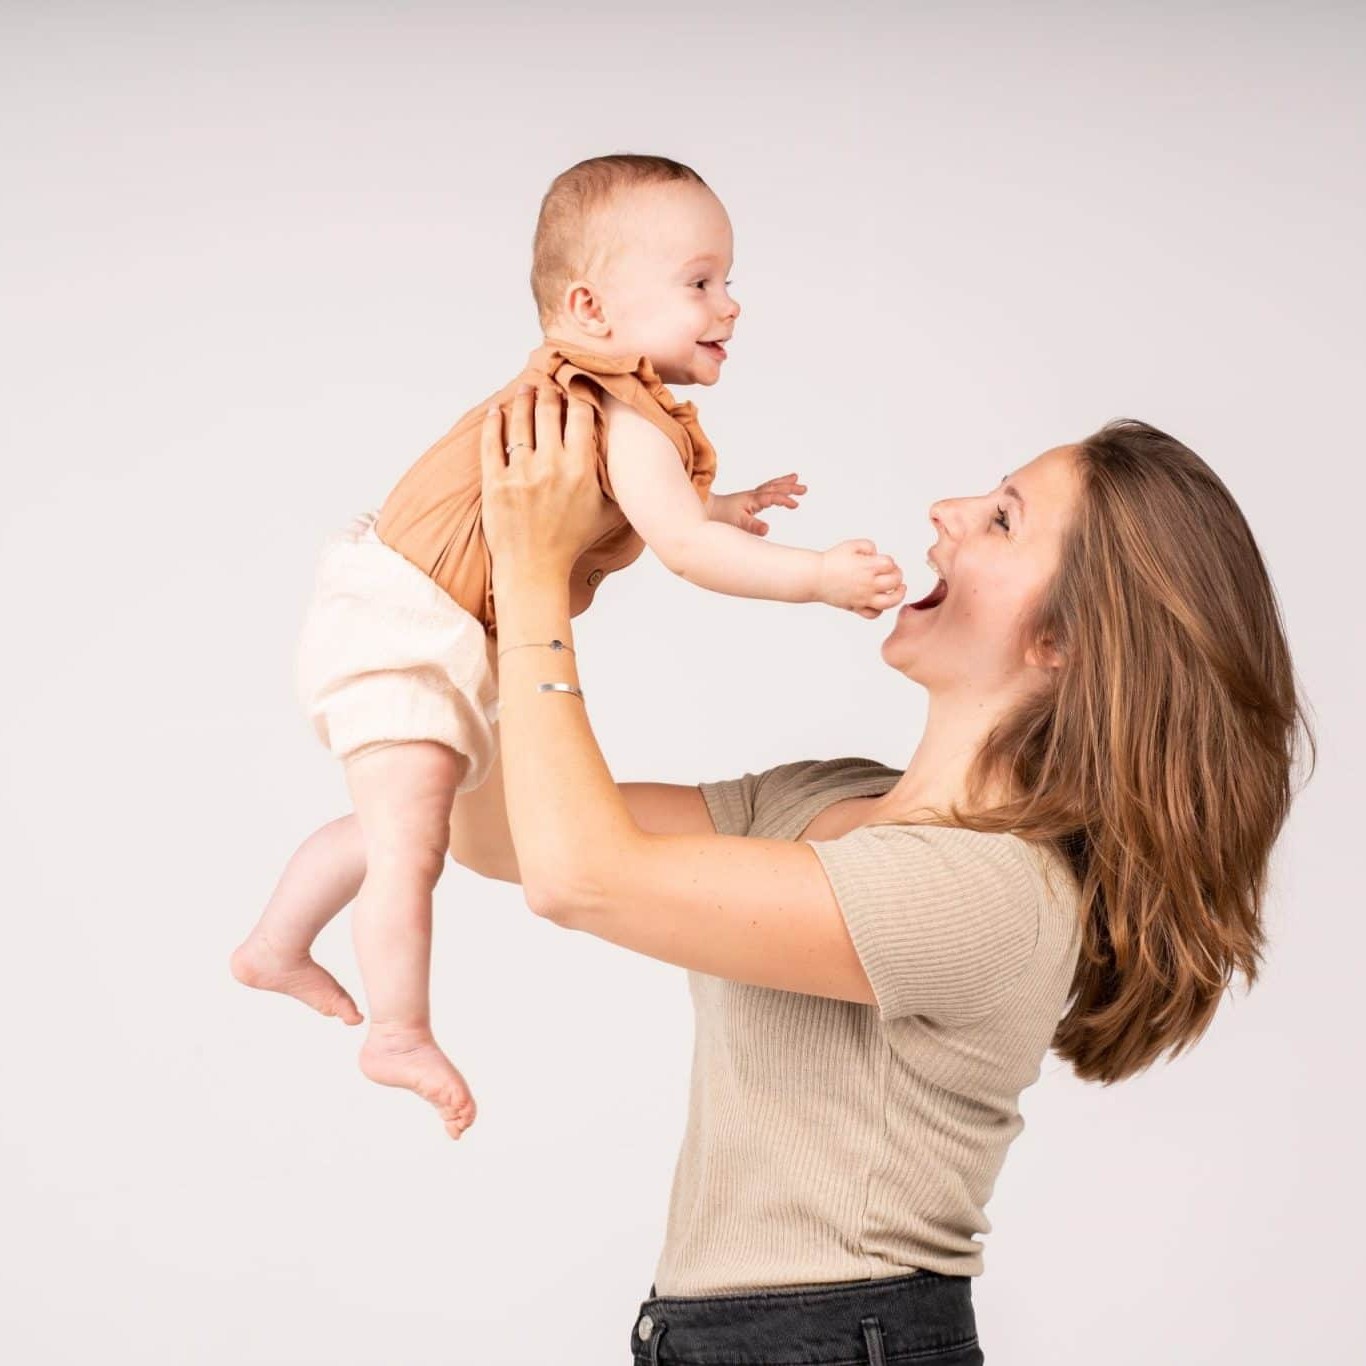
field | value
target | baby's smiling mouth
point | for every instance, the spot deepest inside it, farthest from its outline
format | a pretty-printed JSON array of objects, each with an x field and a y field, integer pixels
[{"x": 714, "y": 346}]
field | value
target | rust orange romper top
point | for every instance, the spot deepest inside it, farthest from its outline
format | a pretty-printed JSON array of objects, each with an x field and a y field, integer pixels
[{"x": 434, "y": 516}]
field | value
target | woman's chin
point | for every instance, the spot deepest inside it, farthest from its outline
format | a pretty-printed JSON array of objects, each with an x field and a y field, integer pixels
[{"x": 899, "y": 654}]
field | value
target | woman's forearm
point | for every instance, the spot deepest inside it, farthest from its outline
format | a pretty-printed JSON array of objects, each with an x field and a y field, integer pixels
[
  {"x": 480, "y": 838},
  {"x": 565, "y": 813}
]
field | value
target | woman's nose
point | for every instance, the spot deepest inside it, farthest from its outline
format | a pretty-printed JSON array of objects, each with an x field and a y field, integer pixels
[{"x": 941, "y": 516}]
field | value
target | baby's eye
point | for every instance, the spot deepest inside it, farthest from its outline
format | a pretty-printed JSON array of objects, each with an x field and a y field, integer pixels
[
  {"x": 1001, "y": 519},
  {"x": 699, "y": 284}
]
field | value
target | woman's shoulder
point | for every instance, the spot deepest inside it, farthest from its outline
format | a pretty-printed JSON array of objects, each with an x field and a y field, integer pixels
[
  {"x": 767, "y": 797},
  {"x": 846, "y": 776},
  {"x": 949, "y": 922},
  {"x": 1027, "y": 864}
]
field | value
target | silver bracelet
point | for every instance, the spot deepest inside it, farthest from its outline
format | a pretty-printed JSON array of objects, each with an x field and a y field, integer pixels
[
  {"x": 560, "y": 687},
  {"x": 556, "y": 645}
]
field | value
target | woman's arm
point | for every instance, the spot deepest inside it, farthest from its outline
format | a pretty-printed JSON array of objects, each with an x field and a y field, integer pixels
[
  {"x": 481, "y": 840},
  {"x": 751, "y": 910}
]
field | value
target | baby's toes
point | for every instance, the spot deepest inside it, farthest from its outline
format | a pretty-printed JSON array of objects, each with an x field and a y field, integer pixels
[
  {"x": 453, "y": 1102},
  {"x": 460, "y": 1120},
  {"x": 316, "y": 987}
]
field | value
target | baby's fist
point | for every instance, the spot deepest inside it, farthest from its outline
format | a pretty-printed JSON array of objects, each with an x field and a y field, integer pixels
[{"x": 854, "y": 576}]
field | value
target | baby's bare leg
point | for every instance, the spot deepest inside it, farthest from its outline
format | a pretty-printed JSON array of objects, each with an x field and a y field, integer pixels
[
  {"x": 324, "y": 874},
  {"x": 403, "y": 795}
]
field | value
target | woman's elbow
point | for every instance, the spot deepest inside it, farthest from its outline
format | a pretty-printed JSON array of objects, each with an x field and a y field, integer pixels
[
  {"x": 568, "y": 885},
  {"x": 542, "y": 900},
  {"x": 553, "y": 899}
]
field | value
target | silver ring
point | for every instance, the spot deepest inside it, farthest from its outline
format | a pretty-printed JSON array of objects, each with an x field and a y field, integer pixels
[{"x": 508, "y": 450}]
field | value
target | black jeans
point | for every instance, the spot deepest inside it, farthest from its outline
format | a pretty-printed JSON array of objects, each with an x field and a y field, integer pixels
[{"x": 923, "y": 1319}]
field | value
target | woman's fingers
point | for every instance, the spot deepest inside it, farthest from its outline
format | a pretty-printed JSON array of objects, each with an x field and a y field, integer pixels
[
  {"x": 580, "y": 445},
  {"x": 491, "y": 458},
  {"x": 521, "y": 428},
  {"x": 549, "y": 421}
]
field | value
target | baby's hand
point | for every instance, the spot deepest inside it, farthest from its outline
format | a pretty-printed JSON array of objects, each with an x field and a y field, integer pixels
[
  {"x": 739, "y": 508},
  {"x": 853, "y": 575}
]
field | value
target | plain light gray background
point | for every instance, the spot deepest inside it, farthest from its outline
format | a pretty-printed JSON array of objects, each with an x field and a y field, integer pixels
[{"x": 256, "y": 258}]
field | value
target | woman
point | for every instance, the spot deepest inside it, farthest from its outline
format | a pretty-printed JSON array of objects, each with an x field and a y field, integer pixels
[{"x": 880, "y": 963}]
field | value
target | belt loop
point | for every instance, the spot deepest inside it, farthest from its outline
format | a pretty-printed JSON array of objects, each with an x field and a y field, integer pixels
[
  {"x": 872, "y": 1337},
  {"x": 655, "y": 1338}
]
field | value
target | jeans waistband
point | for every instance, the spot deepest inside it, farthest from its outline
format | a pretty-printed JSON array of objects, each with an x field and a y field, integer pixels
[{"x": 872, "y": 1321}]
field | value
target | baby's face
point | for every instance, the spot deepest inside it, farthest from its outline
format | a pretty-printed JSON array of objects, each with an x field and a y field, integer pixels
[{"x": 663, "y": 288}]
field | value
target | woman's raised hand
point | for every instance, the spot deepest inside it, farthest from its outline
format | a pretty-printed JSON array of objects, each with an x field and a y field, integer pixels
[{"x": 542, "y": 500}]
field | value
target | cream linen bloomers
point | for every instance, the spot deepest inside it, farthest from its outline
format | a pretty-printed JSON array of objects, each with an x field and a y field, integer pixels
[{"x": 387, "y": 656}]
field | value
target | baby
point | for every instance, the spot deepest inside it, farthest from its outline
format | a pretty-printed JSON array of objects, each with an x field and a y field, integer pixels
[{"x": 398, "y": 659}]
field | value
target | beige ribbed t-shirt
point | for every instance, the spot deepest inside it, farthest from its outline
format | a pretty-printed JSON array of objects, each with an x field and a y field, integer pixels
[{"x": 831, "y": 1141}]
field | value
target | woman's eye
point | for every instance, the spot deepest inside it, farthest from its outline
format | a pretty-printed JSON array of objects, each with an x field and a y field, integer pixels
[{"x": 1001, "y": 519}]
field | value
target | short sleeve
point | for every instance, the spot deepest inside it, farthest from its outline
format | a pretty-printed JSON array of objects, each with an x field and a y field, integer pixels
[
  {"x": 735, "y": 803},
  {"x": 945, "y": 921},
  {"x": 731, "y": 803}
]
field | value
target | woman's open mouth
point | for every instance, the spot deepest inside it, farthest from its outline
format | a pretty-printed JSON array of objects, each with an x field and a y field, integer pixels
[{"x": 935, "y": 596}]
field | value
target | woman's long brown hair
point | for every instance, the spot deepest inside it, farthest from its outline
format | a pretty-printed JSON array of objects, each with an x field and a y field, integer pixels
[{"x": 1160, "y": 764}]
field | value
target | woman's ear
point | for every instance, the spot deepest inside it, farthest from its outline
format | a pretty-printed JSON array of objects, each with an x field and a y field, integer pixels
[
  {"x": 1045, "y": 653},
  {"x": 584, "y": 308}
]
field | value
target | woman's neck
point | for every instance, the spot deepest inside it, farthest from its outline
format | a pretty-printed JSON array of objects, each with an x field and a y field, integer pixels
[{"x": 937, "y": 777}]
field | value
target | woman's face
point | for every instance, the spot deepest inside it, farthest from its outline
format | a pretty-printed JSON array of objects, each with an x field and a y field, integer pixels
[{"x": 996, "y": 555}]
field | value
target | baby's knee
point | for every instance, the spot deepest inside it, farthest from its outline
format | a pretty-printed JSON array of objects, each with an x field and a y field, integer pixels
[{"x": 409, "y": 854}]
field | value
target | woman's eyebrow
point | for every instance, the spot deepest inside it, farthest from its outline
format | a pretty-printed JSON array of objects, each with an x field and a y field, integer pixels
[{"x": 1010, "y": 491}]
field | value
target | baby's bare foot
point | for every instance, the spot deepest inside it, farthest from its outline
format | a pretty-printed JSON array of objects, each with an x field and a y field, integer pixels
[
  {"x": 408, "y": 1056},
  {"x": 257, "y": 963}
]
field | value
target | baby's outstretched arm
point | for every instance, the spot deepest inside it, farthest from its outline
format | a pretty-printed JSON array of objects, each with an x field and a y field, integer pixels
[{"x": 658, "y": 499}]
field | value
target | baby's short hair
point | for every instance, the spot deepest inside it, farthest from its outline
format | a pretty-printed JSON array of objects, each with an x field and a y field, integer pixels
[{"x": 564, "y": 229}]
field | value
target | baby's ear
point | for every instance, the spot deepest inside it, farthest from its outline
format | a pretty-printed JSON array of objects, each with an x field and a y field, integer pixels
[{"x": 583, "y": 307}]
